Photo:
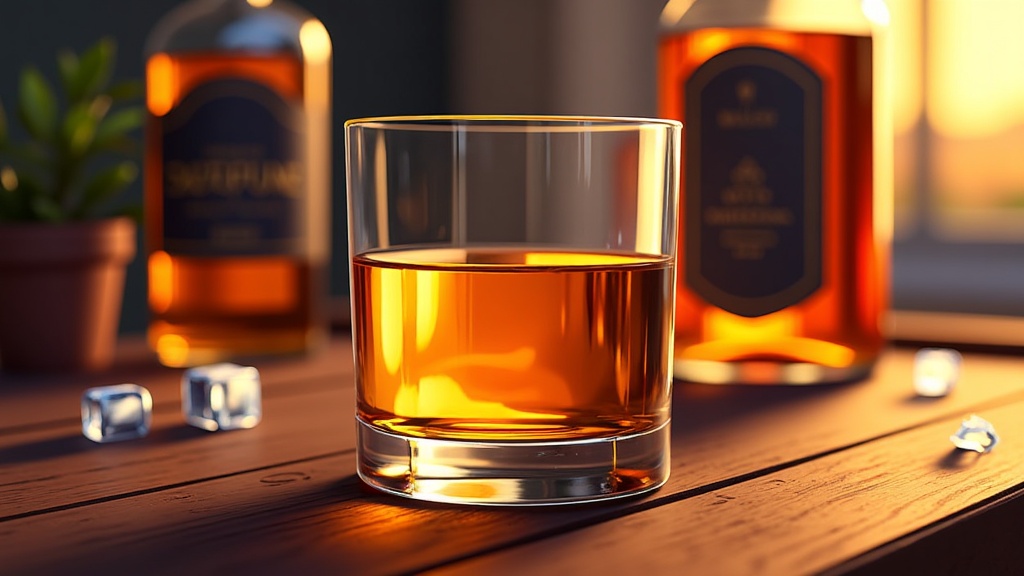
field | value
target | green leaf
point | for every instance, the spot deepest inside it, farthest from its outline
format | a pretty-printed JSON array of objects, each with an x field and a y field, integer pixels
[
  {"x": 104, "y": 185},
  {"x": 117, "y": 125},
  {"x": 67, "y": 65},
  {"x": 66, "y": 132},
  {"x": 26, "y": 153},
  {"x": 94, "y": 69},
  {"x": 82, "y": 123},
  {"x": 44, "y": 208},
  {"x": 37, "y": 105},
  {"x": 79, "y": 129},
  {"x": 126, "y": 90},
  {"x": 135, "y": 212},
  {"x": 100, "y": 105}
]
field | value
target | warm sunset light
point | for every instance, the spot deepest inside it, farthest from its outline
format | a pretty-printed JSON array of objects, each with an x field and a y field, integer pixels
[
  {"x": 428, "y": 300},
  {"x": 975, "y": 80},
  {"x": 674, "y": 10},
  {"x": 8, "y": 178},
  {"x": 440, "y": 396},
  {"x": 576, "y": 259},
  {"x": 315, "y": 42},
  {"x": 650, "y": 187},
  {"x": 161, "y": 273},
  {"x": 729, "y": 335},
  {"x": 172, "y": 349},
  {"x": 380, "y": 182},
  {"x": 722, "y": 325},
  {"x": 159, "y": 75},
  {"x": 800, "y": 349},
  {"x": 390, "y": 310},
  {"x": 876, "y": 11},
  {"x": 906, "y": 96},
  {"x": 960, "y": 63}
]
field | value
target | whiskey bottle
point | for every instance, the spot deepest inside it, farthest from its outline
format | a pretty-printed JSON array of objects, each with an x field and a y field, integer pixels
[
  {"x": 785, "y": 222},
  {"x": 237, "y": 172}
]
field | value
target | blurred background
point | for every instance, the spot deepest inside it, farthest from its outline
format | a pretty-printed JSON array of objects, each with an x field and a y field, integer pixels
[{"x": 958, "y": 102}]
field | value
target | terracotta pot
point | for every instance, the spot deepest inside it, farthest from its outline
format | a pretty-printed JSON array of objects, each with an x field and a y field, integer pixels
[{"x": 61, "y": 287}]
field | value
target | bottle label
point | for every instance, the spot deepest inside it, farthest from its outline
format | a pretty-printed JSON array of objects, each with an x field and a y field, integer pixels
[
  {"x": 233, "y": 172},
  {"x": 753, "y": 181}
]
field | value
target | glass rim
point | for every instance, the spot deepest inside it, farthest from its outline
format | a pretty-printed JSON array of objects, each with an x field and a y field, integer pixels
[{"x": 512, "y": 122}]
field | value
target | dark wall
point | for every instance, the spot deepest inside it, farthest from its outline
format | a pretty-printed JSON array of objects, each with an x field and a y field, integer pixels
[{"x": 389, "y": 58}]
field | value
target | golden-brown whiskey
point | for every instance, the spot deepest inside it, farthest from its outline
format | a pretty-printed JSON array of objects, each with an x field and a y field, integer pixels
[
  {"x": 236, "y": 189},
  {"x": 512, "y": 306},
  {"x": 511, "y": 345},
  {"x": 781, "y": 256}
]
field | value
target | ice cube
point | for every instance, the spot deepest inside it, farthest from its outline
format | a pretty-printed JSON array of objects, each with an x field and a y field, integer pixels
[
  {"x": 936, "y": 371},
  {"x": 221, "y": 396},
  {"x": 117, "y": 412},
  {"x": 976, "y": 434}
]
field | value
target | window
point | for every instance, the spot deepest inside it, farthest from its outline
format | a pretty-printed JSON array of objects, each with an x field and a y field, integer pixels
[{"x": 959, "y": 153}]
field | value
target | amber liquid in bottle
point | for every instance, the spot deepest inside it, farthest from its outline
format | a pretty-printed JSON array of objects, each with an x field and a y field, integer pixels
[
  {"x": 506, "y": 345},
  {"x": 207, "y": 309},
  {"x": 833, "y": 333}
]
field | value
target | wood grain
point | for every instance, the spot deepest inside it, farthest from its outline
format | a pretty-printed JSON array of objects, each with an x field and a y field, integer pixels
[
  {"x": 59, "y": 467},
  {"x": 33, "y": 402},
  {"x": 985, "y": 539},
  {"x": 800, "y": 520},
  {"x": 46, "y": 463},
  {"x": 308, "y": 410},
  {"x": 764, "y": 480}
]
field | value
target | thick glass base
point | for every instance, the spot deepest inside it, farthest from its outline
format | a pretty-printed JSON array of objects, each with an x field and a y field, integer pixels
[
  {"x": 513, "y": 473},
  {"x": 763, "y": 372}
]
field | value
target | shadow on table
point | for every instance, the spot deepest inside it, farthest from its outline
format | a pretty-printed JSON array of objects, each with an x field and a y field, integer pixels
[
  {"x": 957, "y": 459},
  {"x": 77, "y": 443},
  {"x": 341, "y": 526},
  {"x": 702, "y": 406}
]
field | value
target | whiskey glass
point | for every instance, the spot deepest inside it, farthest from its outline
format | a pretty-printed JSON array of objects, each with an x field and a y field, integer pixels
[{"x": 512, "y": 285}]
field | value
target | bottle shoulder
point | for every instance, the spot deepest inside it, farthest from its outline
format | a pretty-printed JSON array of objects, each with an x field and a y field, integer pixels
[
  {"x": 854, "y": 17},
  {"x": 231, "y": 25}
]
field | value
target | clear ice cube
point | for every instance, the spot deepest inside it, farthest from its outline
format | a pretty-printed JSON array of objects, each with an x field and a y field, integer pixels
[
  {"x": 975, "y": 434},
  {"x": 117, "y": 412},
  {"x": 936, "y": 371},
  {"x": 221, "y": 396}
]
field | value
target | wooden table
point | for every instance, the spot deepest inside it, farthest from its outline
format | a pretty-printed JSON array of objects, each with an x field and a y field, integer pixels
[{"x": 836, "y": 479}]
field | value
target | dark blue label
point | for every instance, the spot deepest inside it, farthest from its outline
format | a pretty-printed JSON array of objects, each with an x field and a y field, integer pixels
[
  {"x": 233, "y": 175},
  {"x": 753, "y": 181}
]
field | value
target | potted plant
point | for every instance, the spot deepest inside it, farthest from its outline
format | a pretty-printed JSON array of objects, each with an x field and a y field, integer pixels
[{"x": 64, "y": 239}]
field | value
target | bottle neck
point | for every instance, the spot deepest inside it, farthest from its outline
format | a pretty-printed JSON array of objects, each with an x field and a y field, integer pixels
[
  {"x": 242, "y": 25},
  {"x": 855, "y": 17}
]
